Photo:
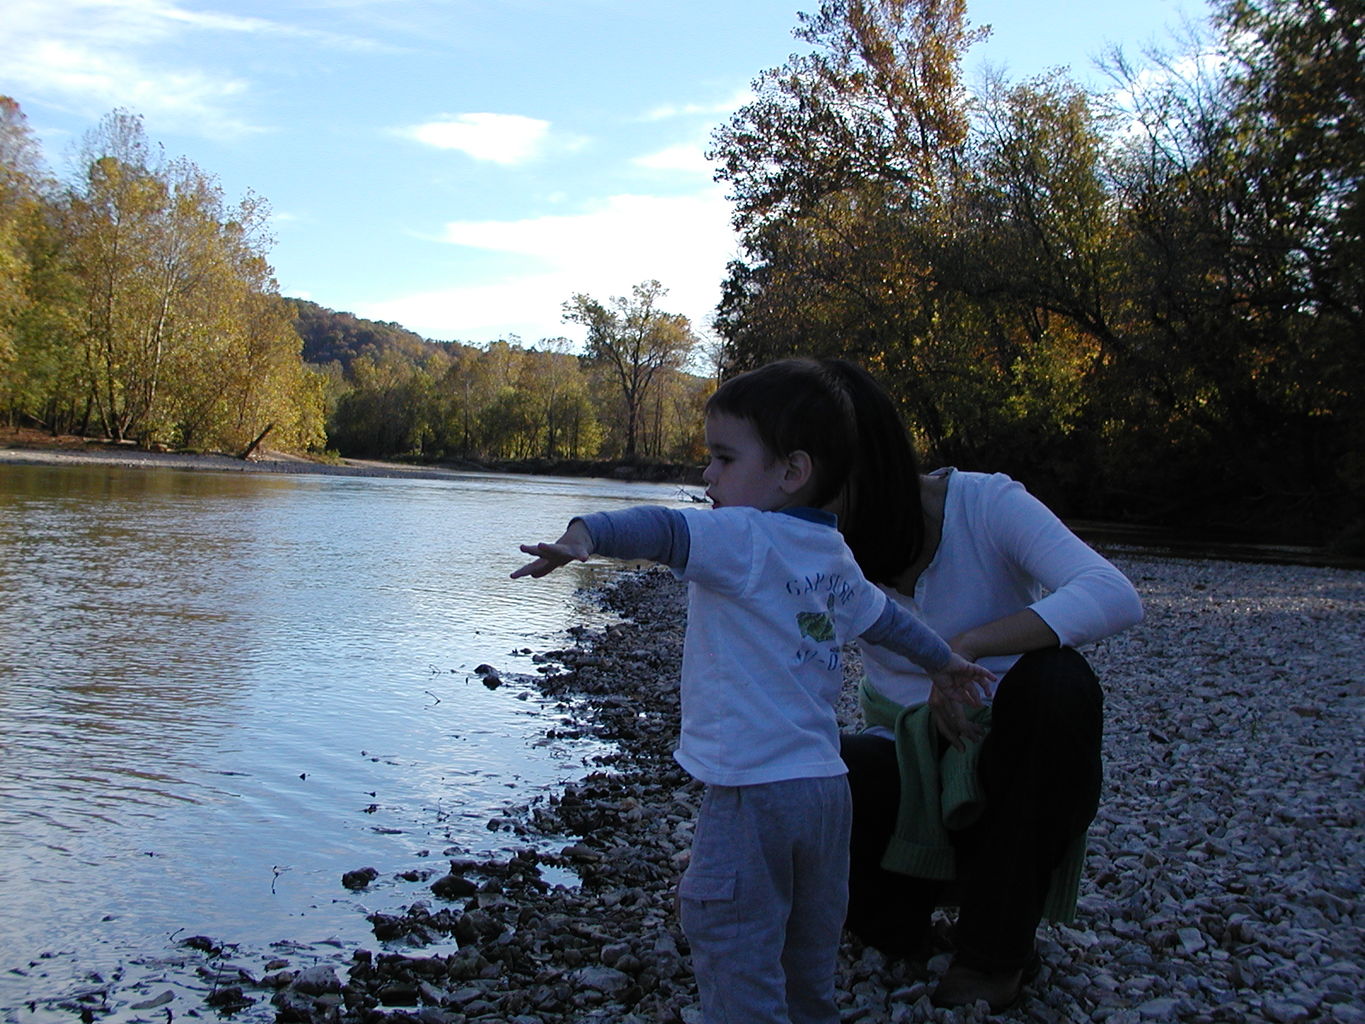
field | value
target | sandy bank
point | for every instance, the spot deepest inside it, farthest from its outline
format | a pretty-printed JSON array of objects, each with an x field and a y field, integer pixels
[
  {"x": 272, "y": 462},
  {"x": 34, "y": 448}
]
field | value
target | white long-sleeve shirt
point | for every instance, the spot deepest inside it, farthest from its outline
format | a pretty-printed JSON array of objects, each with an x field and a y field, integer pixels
[{"x": 1002, "y": 551}]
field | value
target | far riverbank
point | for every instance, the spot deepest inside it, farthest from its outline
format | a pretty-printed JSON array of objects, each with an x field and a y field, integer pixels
[{"x": 36, "y": 448}]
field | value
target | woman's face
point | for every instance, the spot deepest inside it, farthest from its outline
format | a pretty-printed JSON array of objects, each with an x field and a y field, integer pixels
[{"x": 741, "y": 471}]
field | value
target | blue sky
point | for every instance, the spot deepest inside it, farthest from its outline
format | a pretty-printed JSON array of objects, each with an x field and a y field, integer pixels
[{"x": 462, "y": 167}]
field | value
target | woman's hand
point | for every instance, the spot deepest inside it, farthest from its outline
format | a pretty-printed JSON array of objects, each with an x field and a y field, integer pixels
[{"x": 957, "y": 686}]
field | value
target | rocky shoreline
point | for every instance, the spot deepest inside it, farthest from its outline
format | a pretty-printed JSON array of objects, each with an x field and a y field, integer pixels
[{"x": 1222, "y": 882}]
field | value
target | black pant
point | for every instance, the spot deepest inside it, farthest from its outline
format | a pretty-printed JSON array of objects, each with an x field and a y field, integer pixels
[{"x": 1040, "y": 770}]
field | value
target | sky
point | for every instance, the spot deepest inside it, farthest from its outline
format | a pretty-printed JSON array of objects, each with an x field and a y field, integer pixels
[{"x": 464, "y": 167}]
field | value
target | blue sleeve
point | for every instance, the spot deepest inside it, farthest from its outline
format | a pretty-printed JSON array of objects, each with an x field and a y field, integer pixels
[
  {"x": 899, "y": 631},
  {"x": 650, "y": 532}
]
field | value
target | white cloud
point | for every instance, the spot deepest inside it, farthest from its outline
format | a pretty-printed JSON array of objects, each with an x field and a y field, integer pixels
[
  {"x": 214, "y": 21},
  {"x": 91, "y": 56},
  {"x": 682, "y": 241},
  {"x": 69, "y": 73},
  {"x": 728, "y": 105},
  {"x": 499, "y": 138},
  {"x": 682, "y": 157},
  {"x": 187, "y": 98}
]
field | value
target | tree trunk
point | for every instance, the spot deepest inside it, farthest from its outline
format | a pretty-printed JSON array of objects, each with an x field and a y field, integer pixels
[{"x": 256, "y": 443}]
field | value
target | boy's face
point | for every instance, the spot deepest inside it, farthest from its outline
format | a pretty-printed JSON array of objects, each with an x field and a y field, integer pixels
[{"x": 741, "y": 471}]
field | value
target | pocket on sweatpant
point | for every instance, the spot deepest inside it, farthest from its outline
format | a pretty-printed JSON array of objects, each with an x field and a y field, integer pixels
[{"x": 707, "y": 907}]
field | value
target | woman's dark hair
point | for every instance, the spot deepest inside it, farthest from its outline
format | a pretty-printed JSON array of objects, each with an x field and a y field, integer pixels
[
  {"x": 797, "y": 404},
  {"x": 882, "y": 518}
]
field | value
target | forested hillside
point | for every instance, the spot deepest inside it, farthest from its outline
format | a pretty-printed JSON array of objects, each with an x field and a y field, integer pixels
[
  {"x": 332, "y": 337},
  {"x": 394, "y": 393}
]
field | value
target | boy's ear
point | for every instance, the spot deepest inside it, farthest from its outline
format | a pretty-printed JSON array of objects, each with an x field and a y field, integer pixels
[{"x": 798, "y": 472}]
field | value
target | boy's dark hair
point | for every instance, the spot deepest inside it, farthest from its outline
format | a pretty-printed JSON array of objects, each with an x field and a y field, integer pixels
[{"x": 797, "y": 404}]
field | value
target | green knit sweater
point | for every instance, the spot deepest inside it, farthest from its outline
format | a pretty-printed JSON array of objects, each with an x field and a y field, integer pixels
[{"x": 940, "y": 793}]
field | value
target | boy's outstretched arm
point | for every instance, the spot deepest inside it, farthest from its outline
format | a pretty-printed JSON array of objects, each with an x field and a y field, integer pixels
[
  {"x": 643, "y": 531},
  {"x": 574, "y": 545}
]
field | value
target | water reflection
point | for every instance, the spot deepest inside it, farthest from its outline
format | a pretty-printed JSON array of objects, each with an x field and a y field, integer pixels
[{"x": 223, "y": 690}]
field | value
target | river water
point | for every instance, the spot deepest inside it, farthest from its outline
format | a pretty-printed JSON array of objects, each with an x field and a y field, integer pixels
[{"x": 221, "y": 691}]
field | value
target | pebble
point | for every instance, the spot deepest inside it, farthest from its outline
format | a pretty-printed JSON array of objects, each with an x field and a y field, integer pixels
[
  {"x": 1222, "y": 881},
  {"x": 359, "y": 878}
]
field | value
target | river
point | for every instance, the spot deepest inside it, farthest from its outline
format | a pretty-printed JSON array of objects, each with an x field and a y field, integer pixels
[{"x": 222, "y": 691}]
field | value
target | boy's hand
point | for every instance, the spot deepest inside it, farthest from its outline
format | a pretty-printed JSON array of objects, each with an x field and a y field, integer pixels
[
  {"x": 575, "y": 545},
  {"x": 960, "y": 684}
]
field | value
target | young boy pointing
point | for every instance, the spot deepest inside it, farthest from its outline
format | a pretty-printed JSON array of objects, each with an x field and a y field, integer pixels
[{"x": 773, "y": 595}]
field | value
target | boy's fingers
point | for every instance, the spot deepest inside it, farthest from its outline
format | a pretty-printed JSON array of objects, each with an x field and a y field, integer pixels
[{"x": 548, "y": 558}]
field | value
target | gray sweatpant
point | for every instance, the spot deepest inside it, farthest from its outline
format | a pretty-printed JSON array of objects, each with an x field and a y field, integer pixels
[{"x": 764, "y": 897}]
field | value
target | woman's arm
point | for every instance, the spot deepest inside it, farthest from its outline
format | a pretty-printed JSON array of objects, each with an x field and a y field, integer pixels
[
  {"x": 1088, "y": 598},
  {"x": 1019, "y": 633}
]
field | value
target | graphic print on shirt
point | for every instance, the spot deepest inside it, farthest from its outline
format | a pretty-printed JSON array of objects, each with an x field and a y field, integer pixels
[
  {"x": 819, "y": 626},
  {"x": 818, "y": 629}
]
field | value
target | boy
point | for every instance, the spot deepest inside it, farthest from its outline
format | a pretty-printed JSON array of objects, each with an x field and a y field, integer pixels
[{"x": 773, "y": 594}]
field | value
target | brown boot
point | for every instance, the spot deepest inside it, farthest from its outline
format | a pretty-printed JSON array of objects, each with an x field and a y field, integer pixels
[{"x": 963, "y": 986}]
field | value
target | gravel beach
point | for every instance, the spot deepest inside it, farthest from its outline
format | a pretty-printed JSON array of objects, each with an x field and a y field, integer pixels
[{"x": 1223, "y": 880}]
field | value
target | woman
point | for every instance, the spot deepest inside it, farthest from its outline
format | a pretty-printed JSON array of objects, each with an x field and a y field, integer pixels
[{"x": 991, "y": 568}]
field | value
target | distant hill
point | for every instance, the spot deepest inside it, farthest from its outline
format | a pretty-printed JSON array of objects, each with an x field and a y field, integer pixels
[{"x": 329, "y": 336}]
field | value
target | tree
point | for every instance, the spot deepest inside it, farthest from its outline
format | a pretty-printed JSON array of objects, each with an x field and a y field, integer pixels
[
  {"x": 879, "y": 100},
  {"x": 845, "y": 171},
  {"x": 554, "y": 378},
  {"x": 1237, "y": 177},
  {"x": 1298, "y": 73},
  {"x": 118, "y": 222},
  {"x": 674, "y": 420},
  {"x": 19, "y": 200},
  {"x": 36, "y": 298},
  {"x": 184, "y": 337},
  {"x": 636, "y": 342},
  {"x": 375, "y": 417}
]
